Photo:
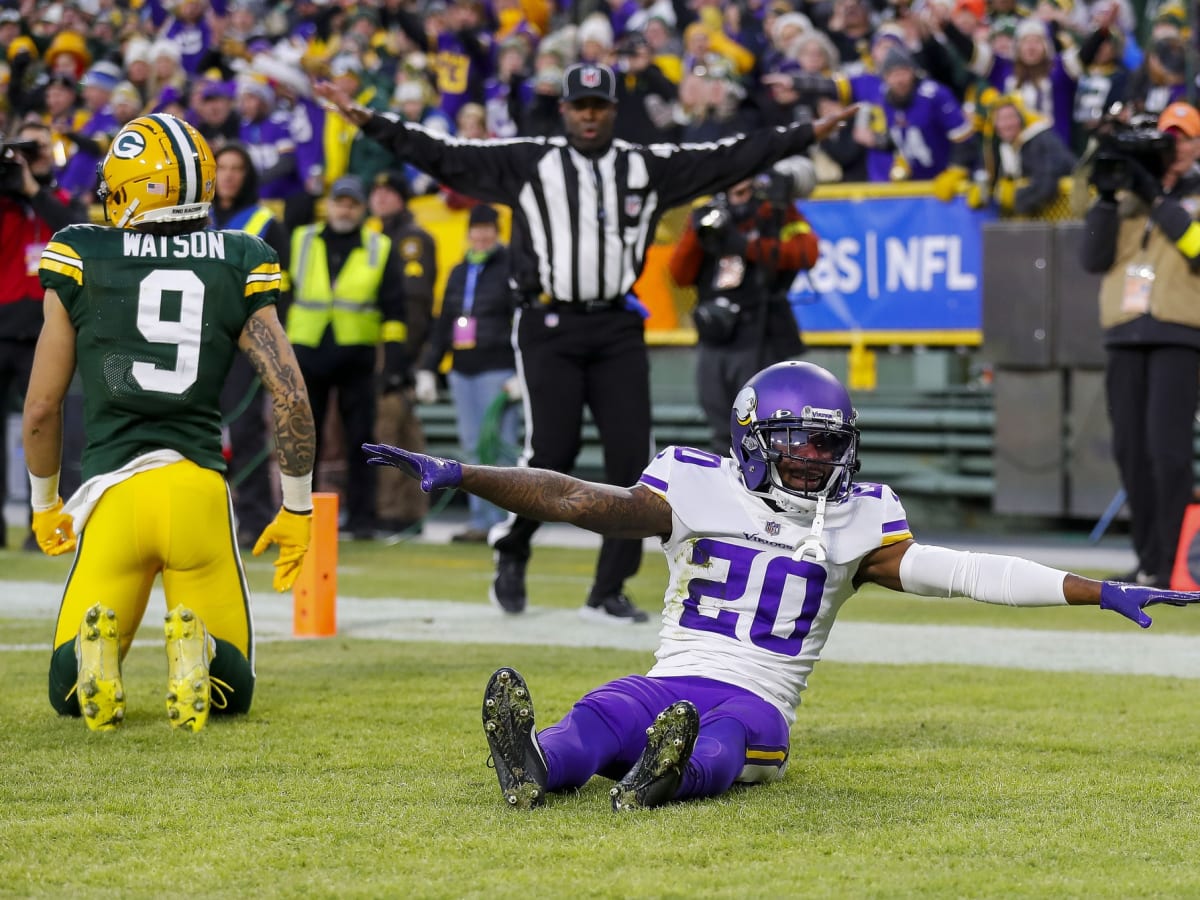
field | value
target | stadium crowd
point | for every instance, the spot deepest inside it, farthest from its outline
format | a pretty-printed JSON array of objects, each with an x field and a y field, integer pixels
[{"x": 931, "y": 77}]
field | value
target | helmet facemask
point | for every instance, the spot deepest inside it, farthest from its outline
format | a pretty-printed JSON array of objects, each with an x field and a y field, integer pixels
[{"x": 821, "y": 449}]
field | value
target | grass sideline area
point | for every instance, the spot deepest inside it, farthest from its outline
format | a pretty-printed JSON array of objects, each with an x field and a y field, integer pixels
[{"x": 361, "y": 770}]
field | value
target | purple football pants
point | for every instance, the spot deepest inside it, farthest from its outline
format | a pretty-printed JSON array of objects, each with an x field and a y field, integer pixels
[{"x": 605, "y": 733}]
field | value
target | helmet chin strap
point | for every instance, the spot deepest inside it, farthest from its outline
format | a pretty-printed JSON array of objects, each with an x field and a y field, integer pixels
[{"x": 811, "y": 547}]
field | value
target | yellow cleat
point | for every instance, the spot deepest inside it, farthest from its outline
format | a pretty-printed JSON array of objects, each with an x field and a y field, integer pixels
[
  {"x": 98, "y": 656},
  {"x": 189, "y": 687}
]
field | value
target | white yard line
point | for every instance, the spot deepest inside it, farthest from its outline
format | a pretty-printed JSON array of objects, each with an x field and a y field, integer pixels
[{"x": 1134, "y": 652}]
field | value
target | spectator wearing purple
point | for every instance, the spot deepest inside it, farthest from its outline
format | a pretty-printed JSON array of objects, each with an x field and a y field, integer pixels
[
  {"x": 78, "y": 176},
  {"x": 918, "y": 130},
  {"x": 1044, "y": 79},
  {"x": 509, "y": 92},
  {"x": 266, "y": 134},
  {"x": 461, "y": 49},
  {"x": 168, "y": 79},
  {"x": 186, "y": 25}
]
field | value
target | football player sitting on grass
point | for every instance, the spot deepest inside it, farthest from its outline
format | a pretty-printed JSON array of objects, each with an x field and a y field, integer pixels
[{"x": 763, "y": 546}]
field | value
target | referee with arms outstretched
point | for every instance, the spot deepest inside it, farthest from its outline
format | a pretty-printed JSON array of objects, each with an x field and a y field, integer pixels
[{"x": 585, "y": 208}]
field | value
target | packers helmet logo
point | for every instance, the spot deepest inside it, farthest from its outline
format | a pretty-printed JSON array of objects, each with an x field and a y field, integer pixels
[
  {"x": 744, "y": 406},
  {"x": 128, "y": 145}
]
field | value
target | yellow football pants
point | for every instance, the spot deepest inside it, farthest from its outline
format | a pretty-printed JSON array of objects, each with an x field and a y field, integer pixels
[{"x": 177, "y": 520}]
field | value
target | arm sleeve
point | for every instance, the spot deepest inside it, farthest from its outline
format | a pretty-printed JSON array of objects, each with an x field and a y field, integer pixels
[
  {"x": 986, "y": 577},
  {"x": 684, "y": 171},
  {"x": 490, "y": 172}
]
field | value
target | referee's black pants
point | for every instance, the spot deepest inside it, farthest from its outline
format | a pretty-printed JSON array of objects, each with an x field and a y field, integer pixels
[
  {"x": 567, "y": 359},
  {"x": 1152, "y": 396}
]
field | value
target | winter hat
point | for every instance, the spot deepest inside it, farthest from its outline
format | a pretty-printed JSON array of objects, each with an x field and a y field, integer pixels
[
  {"x": 897, "y": 58},
  {"x": 483, "y": 215}
]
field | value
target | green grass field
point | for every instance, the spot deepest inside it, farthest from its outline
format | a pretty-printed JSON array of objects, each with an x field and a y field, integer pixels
[{"x": 361, "y": 771}]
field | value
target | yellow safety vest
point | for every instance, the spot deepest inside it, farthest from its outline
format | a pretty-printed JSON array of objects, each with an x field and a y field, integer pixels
[{"x": 349, "y": 304}]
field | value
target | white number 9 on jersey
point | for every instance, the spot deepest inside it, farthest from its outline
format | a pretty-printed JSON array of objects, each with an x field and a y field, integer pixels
[{"x": 184, "y": 334}]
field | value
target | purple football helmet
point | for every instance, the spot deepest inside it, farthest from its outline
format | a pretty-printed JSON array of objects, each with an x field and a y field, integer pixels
[{"x": 798, "y": 410}]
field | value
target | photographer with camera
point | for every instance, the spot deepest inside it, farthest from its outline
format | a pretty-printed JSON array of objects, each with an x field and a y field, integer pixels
[
  {"x": 1142, "y": 234},
  {"x": 32, "y": 208},
  {"x": 742, "y": 251}
]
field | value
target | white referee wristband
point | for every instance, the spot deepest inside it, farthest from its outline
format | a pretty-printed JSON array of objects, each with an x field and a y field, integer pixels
[
  {"x": 43, "y": 492},
  {"x": 297, "y": 492}
]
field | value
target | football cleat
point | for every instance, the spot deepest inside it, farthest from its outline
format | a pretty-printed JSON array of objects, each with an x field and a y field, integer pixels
[
  {"x": 99, "y": 688},
  {"x": 509, "y": 729},
  {"x": 189, "y": 686},
  {"x": 655, "y": 777}
]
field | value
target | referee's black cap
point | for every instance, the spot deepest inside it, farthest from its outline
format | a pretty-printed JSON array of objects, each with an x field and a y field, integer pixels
[{"x": 584, "y": 80}]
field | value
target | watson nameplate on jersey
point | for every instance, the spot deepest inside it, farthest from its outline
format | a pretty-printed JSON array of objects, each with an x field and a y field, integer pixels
[{"x": 196, "y": 245}]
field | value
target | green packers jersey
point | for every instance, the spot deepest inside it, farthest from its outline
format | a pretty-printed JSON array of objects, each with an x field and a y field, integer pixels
[{"x": 157, "y": 321}]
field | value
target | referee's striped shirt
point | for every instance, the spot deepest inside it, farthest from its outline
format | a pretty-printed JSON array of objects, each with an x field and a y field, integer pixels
[{"x": 581, "y": 224}]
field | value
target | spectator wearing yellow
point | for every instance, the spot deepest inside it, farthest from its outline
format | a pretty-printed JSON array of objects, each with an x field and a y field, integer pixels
[{"x": 1025, "y": 159}]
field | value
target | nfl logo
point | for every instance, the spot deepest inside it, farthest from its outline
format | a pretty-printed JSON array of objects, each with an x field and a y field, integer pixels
[
  {"x": 773, "y": 529},
  {"x": 633, "y": 206},
  {"x": 590, "y": 77}
]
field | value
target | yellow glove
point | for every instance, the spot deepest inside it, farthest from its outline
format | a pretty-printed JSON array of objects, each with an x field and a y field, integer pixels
[
  {"x": 54, "y": 530},
  {"x": 947, "y": 183},
  {"x": 291, "y": 532},
  {"x": 1006, "y": 194},
  {"x": 977, "y": 196}
]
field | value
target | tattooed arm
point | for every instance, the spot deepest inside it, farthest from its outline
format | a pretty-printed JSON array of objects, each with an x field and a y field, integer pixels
[
  {"x": 267, "y": 347},
  {"x": 633, "y": 512},
  {"x": 265, "y": 344}
]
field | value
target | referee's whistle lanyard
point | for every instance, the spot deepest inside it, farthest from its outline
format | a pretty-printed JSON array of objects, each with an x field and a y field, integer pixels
[{"x": 469, "y": 290}]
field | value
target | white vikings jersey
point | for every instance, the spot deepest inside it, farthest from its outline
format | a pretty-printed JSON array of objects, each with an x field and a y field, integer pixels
[{"x": 739, "y": 608}]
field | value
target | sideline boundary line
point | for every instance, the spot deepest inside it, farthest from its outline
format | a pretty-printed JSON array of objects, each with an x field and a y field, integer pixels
[{"x": 438, "y": 621}]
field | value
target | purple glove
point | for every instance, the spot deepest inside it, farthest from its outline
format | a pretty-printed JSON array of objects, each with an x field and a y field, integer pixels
[
  {"x": 1130, "y": 599},
  {"x": 433, "y": 473}
]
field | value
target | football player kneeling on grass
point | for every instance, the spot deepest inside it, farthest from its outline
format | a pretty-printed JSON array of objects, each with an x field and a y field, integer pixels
[
  {"x": 764, "y": 546},
  {"x": 152, "y": 311}
]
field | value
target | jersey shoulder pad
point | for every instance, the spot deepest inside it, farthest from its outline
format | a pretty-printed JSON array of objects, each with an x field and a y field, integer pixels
[
  {"x": 61, "y": 266},
  {"x": 879, "y": 509}
]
